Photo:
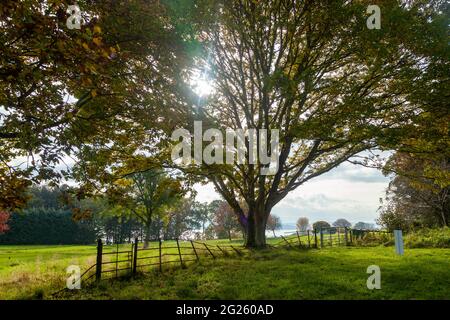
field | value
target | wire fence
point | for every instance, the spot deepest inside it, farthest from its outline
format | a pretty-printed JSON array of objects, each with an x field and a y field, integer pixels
[
  {"x": 328, "y": 237},
  {"x": 151, "y": 256},
  {"x": 125, "y": 260}
]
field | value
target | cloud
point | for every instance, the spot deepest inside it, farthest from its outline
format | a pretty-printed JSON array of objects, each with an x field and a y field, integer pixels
[{"x": 351, "y": 172}]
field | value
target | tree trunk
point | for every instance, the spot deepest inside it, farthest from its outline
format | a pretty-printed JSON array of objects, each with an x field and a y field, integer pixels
[
  {"x": 229, "y": 235},
  {"x": 444, "y": 221},
  {"x": 274, "y": 233},
  {"x": 147, "y": 235},
  {"x": 256, "y": 229}
]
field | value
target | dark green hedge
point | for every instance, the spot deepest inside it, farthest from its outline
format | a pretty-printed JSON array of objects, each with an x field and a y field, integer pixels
[{"x": 47, "y": 226}]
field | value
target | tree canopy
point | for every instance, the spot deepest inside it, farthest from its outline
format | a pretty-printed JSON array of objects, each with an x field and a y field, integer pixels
[
  {"x": 313, "y": 71},
  {"x": 309, "y": 74},
  {"x": 415, "y": 197}
]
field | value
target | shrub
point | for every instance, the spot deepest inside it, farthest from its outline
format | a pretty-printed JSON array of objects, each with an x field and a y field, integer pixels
[
  {"x": 423, "y": 238},
  {"x": 374, "y": 239},
  {"x": 428, "y": 238}
]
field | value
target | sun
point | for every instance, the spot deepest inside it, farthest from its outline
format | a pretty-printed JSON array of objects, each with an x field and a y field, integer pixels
[{"x": 202, "y": 86}]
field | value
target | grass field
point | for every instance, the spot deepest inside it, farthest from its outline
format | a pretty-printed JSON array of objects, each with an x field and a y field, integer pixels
[
  {"x": 28, "y": 272},
  {"x": 33, "y": 271}
]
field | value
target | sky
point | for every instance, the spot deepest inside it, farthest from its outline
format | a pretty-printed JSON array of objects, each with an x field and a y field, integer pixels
[{"x": 349, "y": 191}]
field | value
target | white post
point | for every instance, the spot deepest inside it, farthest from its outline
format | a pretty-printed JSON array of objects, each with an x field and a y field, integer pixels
[{"x": 398, "y": 242}]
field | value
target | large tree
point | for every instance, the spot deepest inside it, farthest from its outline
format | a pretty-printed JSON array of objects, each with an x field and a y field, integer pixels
[
  {"x": 314, "y": 72},
  {"x": 64, "y": 91}
]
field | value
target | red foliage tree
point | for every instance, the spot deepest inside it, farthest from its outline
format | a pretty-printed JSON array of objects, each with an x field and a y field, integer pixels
[{"x": 4, "y": 217}]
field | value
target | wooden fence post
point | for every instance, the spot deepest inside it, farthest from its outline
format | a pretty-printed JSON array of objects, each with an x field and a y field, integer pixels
[
  {"x": 135, "y": 253},
  {"x": 299, "y": 241},
  {"x": 339, "y": 236},
  {"x": 117, "y": 257},
  {"x": 351, "y": 236},
  {"x": 309, "y": 240},
  {"x": 315, "y": 238},
  {"x": 321, "y": 237},
  {"x": 209, "y": 250},
  {"x": 195, "y": 251},
  {"x": 160, "y": 255},
  {"x": 224, "y": 253},
  {"x": 331, "y": 237},
  {"x": 286, "y": 242},
  {"x": 179, "y": 253},
  {"x": 238, "y": 252},
  {"x": 346, "y": 236},
  {"x": 98, "y": 266}
]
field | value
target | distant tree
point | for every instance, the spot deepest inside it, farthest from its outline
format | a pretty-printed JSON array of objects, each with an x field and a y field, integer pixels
[
  {"x": 273, "y": 223},
  {"x": 118, "y": 229},
  {"x": 202, "y": 213},
  {"x": 210, "y": 232},
  {"x": 342, "y": 223},
  {"x": 147, "y": 195},
  {"x": 364, "y": 226},
  {"x": 320, "y": 225},
  {"x": 302, "y": 224},
  {"x": 180, "y": 219},
  {"x": 225, "y": 221},
  {"x": 47, "y": 226},
  {"x": 4, "y": 217}
]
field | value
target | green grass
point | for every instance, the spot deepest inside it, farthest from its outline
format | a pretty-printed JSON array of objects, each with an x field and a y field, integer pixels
[
  {"x": 31, "y": 271},
  {"x": 329, "y": 273}
]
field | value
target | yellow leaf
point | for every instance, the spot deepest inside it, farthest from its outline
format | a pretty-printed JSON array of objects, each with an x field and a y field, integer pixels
[
  {"x": 97, "y": 41},
  {"x": 97, "y": 29}
]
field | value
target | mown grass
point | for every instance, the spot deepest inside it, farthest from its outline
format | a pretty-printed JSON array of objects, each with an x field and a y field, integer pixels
[
  {"x": 32, "y": 271},
  {"x": 35, "y": 271},
  {"x": 329, "y": 273}
]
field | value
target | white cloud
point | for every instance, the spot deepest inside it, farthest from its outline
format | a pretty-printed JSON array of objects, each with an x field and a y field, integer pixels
[{"x": 206, "y": 193}]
